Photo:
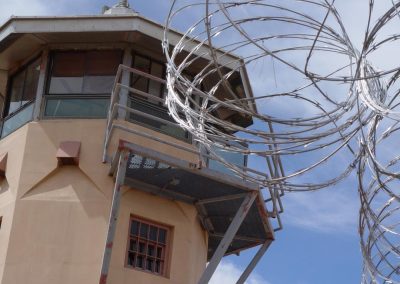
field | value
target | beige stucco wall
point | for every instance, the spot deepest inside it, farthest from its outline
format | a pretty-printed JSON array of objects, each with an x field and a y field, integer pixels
[
  {"x": 55, "y": 230},
  {"x": 189, "y": 245},
  {"x": 13, "y": 145},
  {"x": 6, "y": 212}
]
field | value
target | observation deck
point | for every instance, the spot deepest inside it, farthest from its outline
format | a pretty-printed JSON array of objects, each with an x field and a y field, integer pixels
[
  {"x": 69, "y": 75},
  {"x": 231, "y": 209}
]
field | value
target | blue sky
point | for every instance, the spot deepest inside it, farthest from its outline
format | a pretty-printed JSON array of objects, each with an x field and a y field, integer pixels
[{"x": 319, "y": 243}]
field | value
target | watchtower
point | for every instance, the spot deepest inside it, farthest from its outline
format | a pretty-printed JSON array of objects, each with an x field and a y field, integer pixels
[{"x": 98, "y": 183}]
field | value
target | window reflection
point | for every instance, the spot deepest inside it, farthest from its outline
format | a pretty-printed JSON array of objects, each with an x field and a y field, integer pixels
[
  {"x": 232, "y": 157},
  {"x": 86, "y": 72},
  {"x": 23, "y": 87},
  {"x": 81, "y": 83},
  {"x": 19, "y": 119}
]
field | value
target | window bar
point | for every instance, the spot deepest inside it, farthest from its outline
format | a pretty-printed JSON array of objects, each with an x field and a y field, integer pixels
[
  {"x": 125, "y": 78},
  {"x": 150, "y": 253}
]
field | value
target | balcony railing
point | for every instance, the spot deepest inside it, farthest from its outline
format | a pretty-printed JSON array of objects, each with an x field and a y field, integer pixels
[
  {"x": 142, "y": 106},
  {"x": 144, "y": 109}
]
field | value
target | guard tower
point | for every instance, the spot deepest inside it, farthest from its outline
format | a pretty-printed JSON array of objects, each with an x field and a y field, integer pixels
[{"x": 98, "y": 183}]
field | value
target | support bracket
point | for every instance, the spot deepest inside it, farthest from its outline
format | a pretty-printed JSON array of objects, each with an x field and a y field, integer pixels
[
  {"x": 116, "y": 200},
  {"x": 228, "y": 237},
  {"x": 249, "y": 269}
]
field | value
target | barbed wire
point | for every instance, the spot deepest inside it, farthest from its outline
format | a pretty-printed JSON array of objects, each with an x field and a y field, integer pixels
[{"x": 320, "y": 107}]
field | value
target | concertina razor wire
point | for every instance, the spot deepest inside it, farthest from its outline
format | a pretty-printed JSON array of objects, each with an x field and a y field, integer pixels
[{"x": 320, "y": 105}]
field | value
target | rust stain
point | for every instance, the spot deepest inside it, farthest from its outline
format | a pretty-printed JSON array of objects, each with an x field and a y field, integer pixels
[{"x": 103, "y": 279}]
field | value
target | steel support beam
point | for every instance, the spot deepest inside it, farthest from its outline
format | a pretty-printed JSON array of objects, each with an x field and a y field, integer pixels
[
  {"x": 116, "y": 200},
  {"x": 240, "y": 238},
  {"x": 162, "y": 192},
  {"x": 254, "y": 262},
  {"x": 227, "y": 239},
  {"x": 221, "y": 198}
]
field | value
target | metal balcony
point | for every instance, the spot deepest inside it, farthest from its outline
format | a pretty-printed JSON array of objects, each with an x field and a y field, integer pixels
[{"x": 231, "y": 209}]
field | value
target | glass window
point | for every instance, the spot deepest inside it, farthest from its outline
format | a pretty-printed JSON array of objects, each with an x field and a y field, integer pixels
[
  {"x": 81, "y": 83},
  {"x": 155, "y": 88},
  {"x": 235, "y": 158},
  {"x": 143, "y": 84},
  {"x": 79, "y": 107},
  {"x": 17, "y": 120},
  {"x": 89, "y": 72},
  {"x": 139, "y": 82},
  {"x": 103, "y": 63},
  {"x": 100, "y": 71},
  {"x": 23, "y": 87},
  {"x": 67, "y": 73},
  {"x": 147, "y": 246},
  {"x": 149, "y": 105}
]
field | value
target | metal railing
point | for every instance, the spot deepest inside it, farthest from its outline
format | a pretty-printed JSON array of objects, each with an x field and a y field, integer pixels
[{"x": 274, "y": 192}]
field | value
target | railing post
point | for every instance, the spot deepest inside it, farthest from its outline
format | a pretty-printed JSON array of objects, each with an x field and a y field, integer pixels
[
  {"x": 228, "y": 237},
  {"x": 125, "y": 80}
]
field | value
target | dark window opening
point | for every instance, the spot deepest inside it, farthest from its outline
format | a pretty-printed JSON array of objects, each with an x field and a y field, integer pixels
[
  {"x": 148, "y": 246},
  {"x": 148, "y": 105},
  {"x": 155, "y": 68}
]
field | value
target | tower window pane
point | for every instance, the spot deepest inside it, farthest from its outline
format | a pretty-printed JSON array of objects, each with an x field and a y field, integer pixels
[
  {"x": 23, "y": 87},
  {"x": 146, "y": 249},
  {"x": 81, "y": 78}
]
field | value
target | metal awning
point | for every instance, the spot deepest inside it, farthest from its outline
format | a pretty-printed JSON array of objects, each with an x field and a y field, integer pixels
[
  {"x": 217, "y": 196},
  {"x": 231, "y": 209}
]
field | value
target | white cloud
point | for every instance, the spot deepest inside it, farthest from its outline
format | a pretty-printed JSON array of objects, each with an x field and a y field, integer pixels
[
  {"x": 228, "y": 273},
  {"x": 327, "y": 211}
]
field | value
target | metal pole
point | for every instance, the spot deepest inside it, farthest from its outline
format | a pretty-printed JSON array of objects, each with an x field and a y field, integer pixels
[
  {"x": 125, "y": 81},
  {"x": 249, "y": 269},
  {"x": 123, "y": 160},
  {"x": 227, "y": 239}
]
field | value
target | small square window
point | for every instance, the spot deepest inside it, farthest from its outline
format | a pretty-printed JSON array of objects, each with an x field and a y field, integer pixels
[{"x": 147, "y": 246}]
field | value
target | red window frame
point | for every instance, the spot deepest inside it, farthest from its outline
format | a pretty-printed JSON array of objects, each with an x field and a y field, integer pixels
[{"x": 148, "y": 249}]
